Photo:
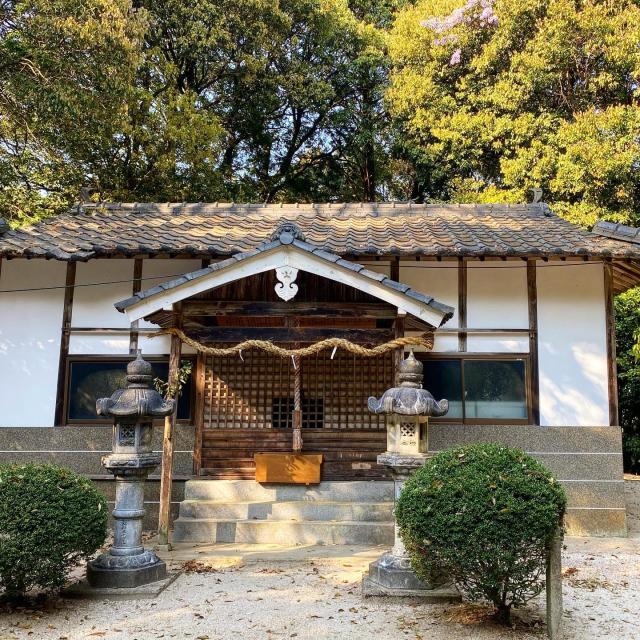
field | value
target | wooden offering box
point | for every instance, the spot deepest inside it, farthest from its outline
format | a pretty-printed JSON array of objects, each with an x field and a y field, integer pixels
[{"x": 288, "y": 468}]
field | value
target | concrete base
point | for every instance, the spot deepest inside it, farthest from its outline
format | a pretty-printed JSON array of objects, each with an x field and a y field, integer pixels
[
  {"x": 443, "y": 594},
  {"x": 84, "y": 590},
  {"x": 396, "y": 573},
  {"x": 122, "y": 578}
]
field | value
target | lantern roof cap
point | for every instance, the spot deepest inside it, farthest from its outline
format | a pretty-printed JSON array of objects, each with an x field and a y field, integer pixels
[
  {"x": 139, "y": 399},
  {"x": 408, "y": 398}
]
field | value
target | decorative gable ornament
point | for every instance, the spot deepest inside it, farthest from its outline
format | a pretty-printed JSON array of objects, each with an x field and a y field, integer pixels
[
  {"x": 287, "y": 232},
  {"x": 286, "y": 287}
]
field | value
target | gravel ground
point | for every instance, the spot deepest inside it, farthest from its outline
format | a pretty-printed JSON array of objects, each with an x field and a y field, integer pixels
[{"x": 265, "y": 592}]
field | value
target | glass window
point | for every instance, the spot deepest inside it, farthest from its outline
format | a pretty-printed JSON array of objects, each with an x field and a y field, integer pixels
[
  {"x": 444, "y": 380},
  {"x": 479, "y": 389},
  {"x": 93, "y": 379},
  {"x": 495, "y": 389}
]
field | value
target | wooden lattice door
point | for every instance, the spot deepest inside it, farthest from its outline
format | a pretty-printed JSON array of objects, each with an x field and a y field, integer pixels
[{"x": 247, "y": 408}]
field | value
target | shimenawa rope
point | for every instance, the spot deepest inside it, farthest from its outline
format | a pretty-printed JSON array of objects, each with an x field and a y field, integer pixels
[{"x": 425, "y": 341}]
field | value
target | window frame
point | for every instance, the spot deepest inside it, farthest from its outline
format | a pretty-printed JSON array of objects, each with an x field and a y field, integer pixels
[
  {"x": 125, "y": 359},
  {"x": 496, "y": 357}
]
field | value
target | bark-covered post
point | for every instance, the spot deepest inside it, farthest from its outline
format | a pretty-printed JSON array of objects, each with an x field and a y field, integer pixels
[{"x": 166, "y": 479}]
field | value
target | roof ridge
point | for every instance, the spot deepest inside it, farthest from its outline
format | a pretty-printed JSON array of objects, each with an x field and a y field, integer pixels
[{"x": 325, "y": 209}]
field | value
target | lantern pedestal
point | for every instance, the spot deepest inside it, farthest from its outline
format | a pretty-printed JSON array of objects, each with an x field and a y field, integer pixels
[
  {"x": 391, "y": 574},
  {"x": 407, "y": 408},
  {"x": 128, "y": 564}
]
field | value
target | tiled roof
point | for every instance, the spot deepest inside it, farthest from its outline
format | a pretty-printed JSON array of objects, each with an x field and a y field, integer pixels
[
  {"x": 617, "y": 231},
  {"x": 285, "y": 235},
  {"x": 362, "y": 229}
]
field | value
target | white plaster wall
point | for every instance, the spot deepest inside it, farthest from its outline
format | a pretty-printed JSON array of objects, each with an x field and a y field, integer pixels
[
  {"x": 30, "y": 330},
  {"x": 572, "y": 345},
  {"x": 497, "y": 299},
  {"x": 154, "y": 272},
  {"x": 93, "y": 306},
  {"x": 439, "y": 280}
]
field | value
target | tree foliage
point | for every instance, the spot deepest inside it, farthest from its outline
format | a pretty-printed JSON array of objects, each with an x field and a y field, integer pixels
[
  {"x": 496, "y": 97},
  {"x": 627, "y": 335},
  {"x": 66, "y": 67},
  {"x": 50, "y": 519},
  {"x": 484, "y": 516},
  {"x": 267, "y": 100},
  {"x": 251, "y": 100}
]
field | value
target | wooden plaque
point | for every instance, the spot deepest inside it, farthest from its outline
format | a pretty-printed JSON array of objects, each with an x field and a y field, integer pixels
[{"x": 288, "y": 468}]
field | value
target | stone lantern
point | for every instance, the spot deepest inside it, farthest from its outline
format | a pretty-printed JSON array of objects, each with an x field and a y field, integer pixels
[
  {"x": 128, "y": 563},
  {"x": 407, "y": 408}
]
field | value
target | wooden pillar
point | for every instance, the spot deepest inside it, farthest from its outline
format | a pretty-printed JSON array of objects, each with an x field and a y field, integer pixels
[
  {"x": 534, "y": 375},
  {"x": 199, "y": 417},
  {"x": 399, "y": 328},
  {"x": 167, "y": 448},
  {"x": 462, "y": 304},
  {"x": 137, "y": 285},
  {"x": 394, "y": 269},
  {"x": 612, "y": 370},
  {"x": 65, "y": 337}
]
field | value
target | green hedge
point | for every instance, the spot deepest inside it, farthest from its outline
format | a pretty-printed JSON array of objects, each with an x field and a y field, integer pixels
[
  {"x": 483, "y": 515},
  {"x": 50, "y": 518}
]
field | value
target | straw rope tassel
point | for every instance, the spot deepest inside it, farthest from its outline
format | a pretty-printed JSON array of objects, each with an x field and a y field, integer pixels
[{"x": 297, "y": 407}]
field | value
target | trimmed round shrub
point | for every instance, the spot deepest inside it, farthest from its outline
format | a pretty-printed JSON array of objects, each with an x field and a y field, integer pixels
[
  {"x": 483, "y": 515},
  {"x": 50, "y": 519}
]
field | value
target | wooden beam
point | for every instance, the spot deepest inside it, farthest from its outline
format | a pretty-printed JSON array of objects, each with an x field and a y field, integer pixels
[
  {"x": 137, "y": 285},
  {"x": 462, "y": 303},
  {"x": 612, "y": 370},
  {"x": 468, "y": 330},
  {"x": 532, "y": 295},
  {"x": 376, "y": 311},
  {"x": 167, "y": 448},
  {"x": 290, "y": 334},
  {"x": 65, "y": 337}
]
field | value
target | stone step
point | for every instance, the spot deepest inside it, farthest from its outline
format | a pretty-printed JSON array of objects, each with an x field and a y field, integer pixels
[
  {"x": 297, "y": 510},
  {"x": 278, "y": 532},
  {"x": 252, "y": 491}
]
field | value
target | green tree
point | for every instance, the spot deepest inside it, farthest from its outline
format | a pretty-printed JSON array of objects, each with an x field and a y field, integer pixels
[
  {"x": 627, "y": 327},
  {"x": 65, "y": 70},
  {"x": 280, "y": 78},
  {"x": 495, "y": 97},
  {"x": 246, "y": 100}
]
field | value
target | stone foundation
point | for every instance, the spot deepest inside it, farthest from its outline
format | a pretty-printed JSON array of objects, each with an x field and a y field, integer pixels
[
  {"x": 82, "y": 447},
  {"x": 587, "y": 460},
  {"x": 632, "y": 494}
]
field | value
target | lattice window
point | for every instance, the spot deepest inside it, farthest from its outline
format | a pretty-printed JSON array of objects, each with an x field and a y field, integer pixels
[
  {"x": 256, "y": 393},
  {"x": 312, "y": 413},
  {"x": 127, "y": 436},
  {"x": 407, "y": 429}
]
